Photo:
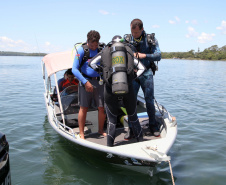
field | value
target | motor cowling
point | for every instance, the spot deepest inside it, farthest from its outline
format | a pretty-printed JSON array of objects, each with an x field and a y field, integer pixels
[{"x": 119, "y": 68}]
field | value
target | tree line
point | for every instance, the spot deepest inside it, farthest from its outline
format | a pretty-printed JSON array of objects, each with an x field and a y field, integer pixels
[
  {"x": 211, "y": 53},
  {"x": 10, "y": 53}
]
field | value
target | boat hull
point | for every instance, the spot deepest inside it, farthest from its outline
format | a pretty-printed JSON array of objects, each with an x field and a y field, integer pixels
[{"x": 101, "y": 153}]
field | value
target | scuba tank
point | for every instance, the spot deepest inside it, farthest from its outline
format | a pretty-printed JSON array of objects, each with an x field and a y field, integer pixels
[
  {"x": 118, "y": 63},
  {"x": 119, "y": 68}
]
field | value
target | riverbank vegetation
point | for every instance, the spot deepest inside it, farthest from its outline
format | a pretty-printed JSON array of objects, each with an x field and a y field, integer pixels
[
  {"x": 211, "y": 53},
  {"x": 10, "y": 53}
]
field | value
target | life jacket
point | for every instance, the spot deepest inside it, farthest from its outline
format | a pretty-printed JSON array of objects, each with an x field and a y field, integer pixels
[
  {"x": 106, "y": 62},
  {"x": 151, "y": 42},
  {"x": 67, "y": 83}
]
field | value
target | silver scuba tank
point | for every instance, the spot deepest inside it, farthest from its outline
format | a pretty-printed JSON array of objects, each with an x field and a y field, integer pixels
[{"x": 119, "y": 79}]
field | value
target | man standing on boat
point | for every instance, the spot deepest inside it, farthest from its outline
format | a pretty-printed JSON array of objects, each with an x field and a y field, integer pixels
[
  {"x": 148, "y": 51},
  {"x": 89, "y": 87},
  {"x": 117, "y": 66}
]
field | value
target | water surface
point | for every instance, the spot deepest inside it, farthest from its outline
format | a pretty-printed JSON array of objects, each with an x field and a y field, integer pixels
[{"x": 193, "y": 91}]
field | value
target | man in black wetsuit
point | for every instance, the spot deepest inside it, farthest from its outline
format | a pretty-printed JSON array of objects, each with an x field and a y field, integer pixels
[{"x": 117, "y": 63}]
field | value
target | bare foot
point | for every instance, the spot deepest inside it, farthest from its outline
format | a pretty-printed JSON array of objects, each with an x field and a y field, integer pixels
[
  {"x": 81, "y": 136},
  {"x": 102, "y": 133}
]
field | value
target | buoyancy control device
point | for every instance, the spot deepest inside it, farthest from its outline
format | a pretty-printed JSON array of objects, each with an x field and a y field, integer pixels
[
  {"x": 151, "y": 42},
  {"x": 85, "y": 47}
]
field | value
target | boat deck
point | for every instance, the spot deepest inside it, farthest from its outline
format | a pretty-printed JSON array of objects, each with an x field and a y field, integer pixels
[
  {"x": 91, "y": 127},
  {"x": 119, "y": 140}
]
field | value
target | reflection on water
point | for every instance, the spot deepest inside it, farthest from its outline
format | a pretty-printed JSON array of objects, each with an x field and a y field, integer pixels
[
  {"x": 67, "y": 165},
  {"x": 193, "y": 91}
]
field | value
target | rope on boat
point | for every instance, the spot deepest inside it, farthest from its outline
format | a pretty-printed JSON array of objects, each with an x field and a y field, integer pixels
[
  {"x": 159, "y": 156},
  {"x": 171, "y": 172}
]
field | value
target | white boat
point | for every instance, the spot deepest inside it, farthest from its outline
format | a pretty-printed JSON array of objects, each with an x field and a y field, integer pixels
[{"x": 62, "y": 115}]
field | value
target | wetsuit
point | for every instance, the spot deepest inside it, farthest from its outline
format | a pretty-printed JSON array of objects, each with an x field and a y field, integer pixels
[
  {"x": 85, "y": 69},
  {"x": 146, "y": 80},
  {"x": 112, "y": 101}
]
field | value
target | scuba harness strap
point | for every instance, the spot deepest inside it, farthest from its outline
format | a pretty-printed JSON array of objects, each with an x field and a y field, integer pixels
[
  {"x": 151, "y": 42},
  {"x": 117, "y": 48},
  {"x": 86, "y": 56}
]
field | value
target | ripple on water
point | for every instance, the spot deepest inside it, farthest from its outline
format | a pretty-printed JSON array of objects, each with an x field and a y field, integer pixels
[{"x": 188, "y": 89}]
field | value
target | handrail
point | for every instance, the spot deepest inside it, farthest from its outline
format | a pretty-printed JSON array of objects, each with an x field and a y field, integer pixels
[
  {"x": 59, "y": 100},
  {"x": 65, "y": 126},
  {"x": 43, "y": 74}
]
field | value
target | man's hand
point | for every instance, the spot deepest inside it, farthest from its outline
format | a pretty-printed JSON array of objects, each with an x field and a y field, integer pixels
[
  {"x": 140, "y": 55},
  {"x": 88, "y": 87}
]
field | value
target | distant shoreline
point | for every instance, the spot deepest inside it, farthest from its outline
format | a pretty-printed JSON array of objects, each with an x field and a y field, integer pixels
[
  {"x": 194, "y": 59},
  {"x": 212, "y": 53},
  {"x": 11, "y": 53}
]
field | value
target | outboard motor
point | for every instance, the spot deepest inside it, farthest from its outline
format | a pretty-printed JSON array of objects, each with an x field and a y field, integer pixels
[{"x": 119, "y": 66}]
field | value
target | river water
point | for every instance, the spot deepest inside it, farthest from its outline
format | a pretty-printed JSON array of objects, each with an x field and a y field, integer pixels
[{"x": 193, "y": 91}]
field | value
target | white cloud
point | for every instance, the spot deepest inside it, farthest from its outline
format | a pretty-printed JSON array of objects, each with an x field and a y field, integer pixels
[
  {"x": 155, "y": 26},
  {"x": 47, "y": 43},
  {"x": 172, "y": 22},
  {"x": 201, "y": 38},
  {"x": 222, "y": 27},
  {"x": 205, "y": 37},
  {"x": 10, "y": 44},
  {"x": 191, "y": 32},
  {"x": 177, "y": 19},
  {"x": 194, "y": 22},
  {"x": 103, "y": 12}
]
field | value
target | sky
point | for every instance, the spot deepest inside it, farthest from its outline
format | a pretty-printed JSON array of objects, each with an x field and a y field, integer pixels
[{"x": 53, "y": 26}]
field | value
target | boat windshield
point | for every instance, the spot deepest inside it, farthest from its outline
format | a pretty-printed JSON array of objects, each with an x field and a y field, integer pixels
[
  {"x": 69, "y": 90},
  {"x": 69, "y": 99}
]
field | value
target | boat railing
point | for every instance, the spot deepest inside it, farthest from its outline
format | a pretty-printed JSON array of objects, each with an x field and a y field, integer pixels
[
  {"x": 43, "y": 75},
  {"x": 59, "y": 100},
  {"x": 50, "y": 103},
  {"x": 64, "y": 127}
]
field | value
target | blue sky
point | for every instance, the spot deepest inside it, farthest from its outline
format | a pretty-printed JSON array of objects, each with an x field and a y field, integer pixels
[{"x": 53, "y": 26}]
